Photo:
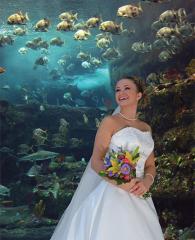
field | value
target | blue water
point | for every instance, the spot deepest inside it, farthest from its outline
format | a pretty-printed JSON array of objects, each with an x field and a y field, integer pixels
[{"x": 23, "y": 79}]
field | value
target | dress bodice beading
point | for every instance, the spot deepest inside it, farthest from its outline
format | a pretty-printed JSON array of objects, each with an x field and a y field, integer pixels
[{"x": 129, "y": 138}]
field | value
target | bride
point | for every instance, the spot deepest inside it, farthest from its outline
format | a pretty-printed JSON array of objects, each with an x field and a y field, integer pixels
[{"x": 100, "y": 209}]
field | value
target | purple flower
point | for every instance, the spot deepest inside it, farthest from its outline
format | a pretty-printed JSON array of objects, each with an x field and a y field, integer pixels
[
  {"x": 125, "y": 169},
  {"x": 107, "y": 161},
  {"x": 110, "y": 174}
]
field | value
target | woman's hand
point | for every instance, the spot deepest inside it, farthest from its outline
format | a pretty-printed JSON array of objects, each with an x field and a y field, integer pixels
[
  {"x": 127, "y": 186},
  {"x": 140, "y": 186}
]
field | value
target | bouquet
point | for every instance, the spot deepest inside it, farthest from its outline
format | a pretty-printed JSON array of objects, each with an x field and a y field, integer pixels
[{"x": 121, "y": 166}]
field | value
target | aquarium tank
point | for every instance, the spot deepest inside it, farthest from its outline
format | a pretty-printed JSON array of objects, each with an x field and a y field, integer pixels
[{"x": 59, "y": 62}]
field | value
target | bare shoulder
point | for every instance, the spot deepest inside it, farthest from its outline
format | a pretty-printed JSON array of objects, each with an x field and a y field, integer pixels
[
  {"x": 107, "y": 121},
  {"x": 106, "y": 127},
  {"x": 145, "y": 126}
]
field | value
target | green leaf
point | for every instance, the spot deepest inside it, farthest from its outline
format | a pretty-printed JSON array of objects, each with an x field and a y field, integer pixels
[
  {"x": 102, "y": 174},
  {"x": 135, "y": 152}
]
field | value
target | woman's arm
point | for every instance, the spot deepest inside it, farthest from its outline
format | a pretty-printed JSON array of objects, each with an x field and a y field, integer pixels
[
  {"x": 101, "y": 145},
  {"x": 149, "y": 170},
  {"x": 144, "y": 184}
]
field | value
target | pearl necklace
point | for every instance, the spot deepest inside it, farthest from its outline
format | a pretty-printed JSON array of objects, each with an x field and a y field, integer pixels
[{"x": 129, "y": 119}]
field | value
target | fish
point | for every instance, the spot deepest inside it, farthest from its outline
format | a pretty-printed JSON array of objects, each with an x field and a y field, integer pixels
[
  {"x": 19, "y": 31},
  {"x": 41, "y": 61},
  {"x": 175, "y": 44},
  {"x": 6, "y": 39},
  {"x": 178, "y": 16},
  {"x": 2, "y": 70},
  {"x": 129, "y": 11},
  {"x": 67, "y": 96},
  {"x": 84, "y": 56},
  {"x": 23, "y": 50},
  {"x": 18, "y": 18},
  {"x": 111, "y": 26},
  {"x": 42, "y": 25},
  {"x": 68, "y": 16},
  {"x": 152, "y": 78},
  {"x": 82, "y": 35},
  {"x": 103, "y": 43},
  {"x": 165, "y": 55},
  {"x": 156, "y": 25},
  {"x": 141, "y": 47},
  {"x": 64, "y": 26},
  {"x": 43, "y": 44},
  {"x": 167, "y": 32},
  {"x": 93, "y": 22},
  {"x": 160, "y": 43},
  {"x": 80, "y": 25},
  {"x": 37, "y": 43},
  {"x": 186, "y": 30},
  {"x": 95, "y": 61},
  {"x": 86, "y": 64},
  {"x": 57, "y": 41},
  {"x": 111, "y": 53},
  {"x": 61, "y": 62}
]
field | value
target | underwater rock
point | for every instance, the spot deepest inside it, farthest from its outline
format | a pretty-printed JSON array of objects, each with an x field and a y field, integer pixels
[{"x": 40, "y": 155}]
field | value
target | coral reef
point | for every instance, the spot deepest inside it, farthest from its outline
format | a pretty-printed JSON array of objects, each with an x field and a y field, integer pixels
[
  {"x": 40, "y": 136},
  {"x": 61, "y": 138}
]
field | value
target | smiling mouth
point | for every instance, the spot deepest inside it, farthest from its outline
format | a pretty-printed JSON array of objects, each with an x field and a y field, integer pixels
[{"x": 123, "y": 98}]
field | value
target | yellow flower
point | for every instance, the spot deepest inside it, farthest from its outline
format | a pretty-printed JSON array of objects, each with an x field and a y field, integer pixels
[
  {"x": 115, "y": 166},
  {"x": 129, "y": 157}
]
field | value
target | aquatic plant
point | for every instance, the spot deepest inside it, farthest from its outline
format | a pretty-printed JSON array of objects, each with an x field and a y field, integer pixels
[
  {"x": 171, "y": 232},
  {"x": 175, "y": 168},
  {"x": 190, "y": 69},
  {"x": 48, "y": 186},
  {"x": 39, "y": 209}
]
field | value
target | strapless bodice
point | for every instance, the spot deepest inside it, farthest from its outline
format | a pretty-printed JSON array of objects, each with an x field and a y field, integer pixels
[{"x": 129, "y": 138}]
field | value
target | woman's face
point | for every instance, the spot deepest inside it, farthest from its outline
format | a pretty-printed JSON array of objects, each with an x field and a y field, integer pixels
[{"x": 126, "y": 92}]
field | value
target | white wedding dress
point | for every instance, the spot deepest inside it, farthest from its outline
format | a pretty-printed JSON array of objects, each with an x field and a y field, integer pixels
[{"x": 105, "y": 211}]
